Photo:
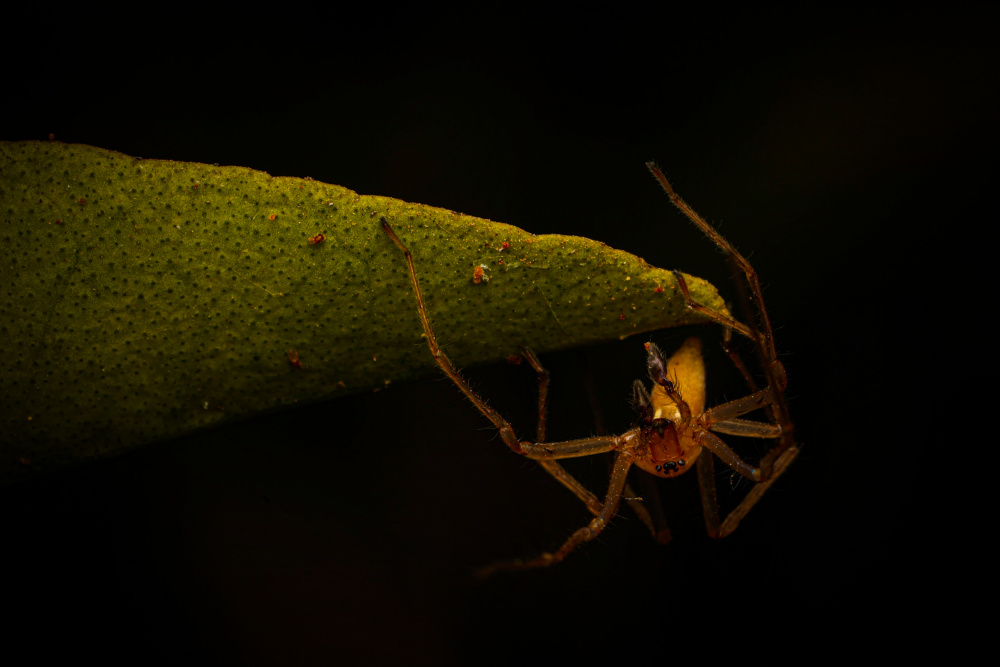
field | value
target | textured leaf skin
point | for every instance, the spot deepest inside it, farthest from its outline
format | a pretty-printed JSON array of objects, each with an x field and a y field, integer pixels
[{"x": 144, "y": 299}]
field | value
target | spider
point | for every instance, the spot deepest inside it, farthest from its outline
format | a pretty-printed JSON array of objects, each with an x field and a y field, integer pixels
[{"x": 673, "y": 426}]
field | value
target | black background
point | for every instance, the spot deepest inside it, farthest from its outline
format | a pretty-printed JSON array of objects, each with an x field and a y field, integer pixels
[{"x": 845, "y": 155}]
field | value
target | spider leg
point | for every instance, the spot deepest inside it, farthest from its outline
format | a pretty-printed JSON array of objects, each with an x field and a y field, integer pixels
[
  {"x": 650, "y": 508},
  {"x": 585, "y": 534},
  {"x": 727, "y": 346},
  {"x": 722, "y": 319},
  {"x": 550, "y": 466},
  {"x": 647, "y": 505},
  {"x": 710, "y": 501},
  {"x": 724, "y": 418},
  {"x": 506, "y": 432},
  {"x": 733, "y": 409},
  {"x": 765, "y": 337},
  {"x": 764, "y": 476},
  {"x": 543, "y": 390}
]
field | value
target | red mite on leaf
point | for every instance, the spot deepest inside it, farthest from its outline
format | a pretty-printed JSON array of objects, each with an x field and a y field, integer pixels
[
  {"x": 316, "y": 240},
  {"x": 293, "y": 357},
  {"x": 479, "y": 274}
]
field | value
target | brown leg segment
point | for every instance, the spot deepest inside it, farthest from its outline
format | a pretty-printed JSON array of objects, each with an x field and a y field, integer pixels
[
  {"x": 506, "y": 432},
  {"x": 550, "y": 466},
  {"x": 727, "y": 346},
  {"x": 543, "y": 391},
  {"x": 647, "y": 507},
  {"x": 585, "y": 534},
  {"x": 710, "y": 501},
  {"x": 779, "y": 457},
  {"x": 764, "y": 338}
]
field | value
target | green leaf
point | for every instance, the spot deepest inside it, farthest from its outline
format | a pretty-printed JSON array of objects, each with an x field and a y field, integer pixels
[{"x": 144, "y": 299}]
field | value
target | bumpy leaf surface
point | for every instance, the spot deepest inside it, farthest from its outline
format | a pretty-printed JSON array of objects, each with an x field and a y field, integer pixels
[{"x": 144, "y": 299}]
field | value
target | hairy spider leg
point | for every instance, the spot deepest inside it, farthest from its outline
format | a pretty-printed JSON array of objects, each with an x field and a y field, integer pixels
[
  {"x": 537, "y": 451},
  {"x": 506, "y": 432},
  {"x": 596, "y": 526},
  {"x": 543, "y": 452},
  {"x": 552, "y": 467},
  {"x": 647, "y": 505},
  {"x": 764, "y": 338},
  {"x": 724, "y": 418}
]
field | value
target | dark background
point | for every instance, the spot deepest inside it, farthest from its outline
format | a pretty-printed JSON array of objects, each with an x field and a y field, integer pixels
[{"x": 846, "y": 156}]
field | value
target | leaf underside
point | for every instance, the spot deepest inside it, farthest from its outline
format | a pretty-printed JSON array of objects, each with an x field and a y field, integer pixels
[{"x": 144, "y": 299}]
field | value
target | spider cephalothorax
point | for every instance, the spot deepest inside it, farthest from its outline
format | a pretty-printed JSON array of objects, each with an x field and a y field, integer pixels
[{"x": 665, "y": 414}]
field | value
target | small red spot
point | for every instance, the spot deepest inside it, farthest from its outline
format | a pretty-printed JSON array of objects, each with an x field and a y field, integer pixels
[
  {"x": 646, "y": 345},
  {"x": 272, "y": 216},
  {"x": 622, "y": 317},
  {"x": 658, "y": 289},
  {"x": 499, "y": 261},
  {"x": 52, "y": 136},
  {"x": 59, "y": 221},
  {"x": 82, "y": 201},
  {"x": 196, "y": 186},
  {"x": 316, "y": 240},
  {"x": 514, "y": 359},
  {"x": 293, "y": 357},
  {"x": 478, "y": 275},
  {"x": 504, "y": 246}
]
